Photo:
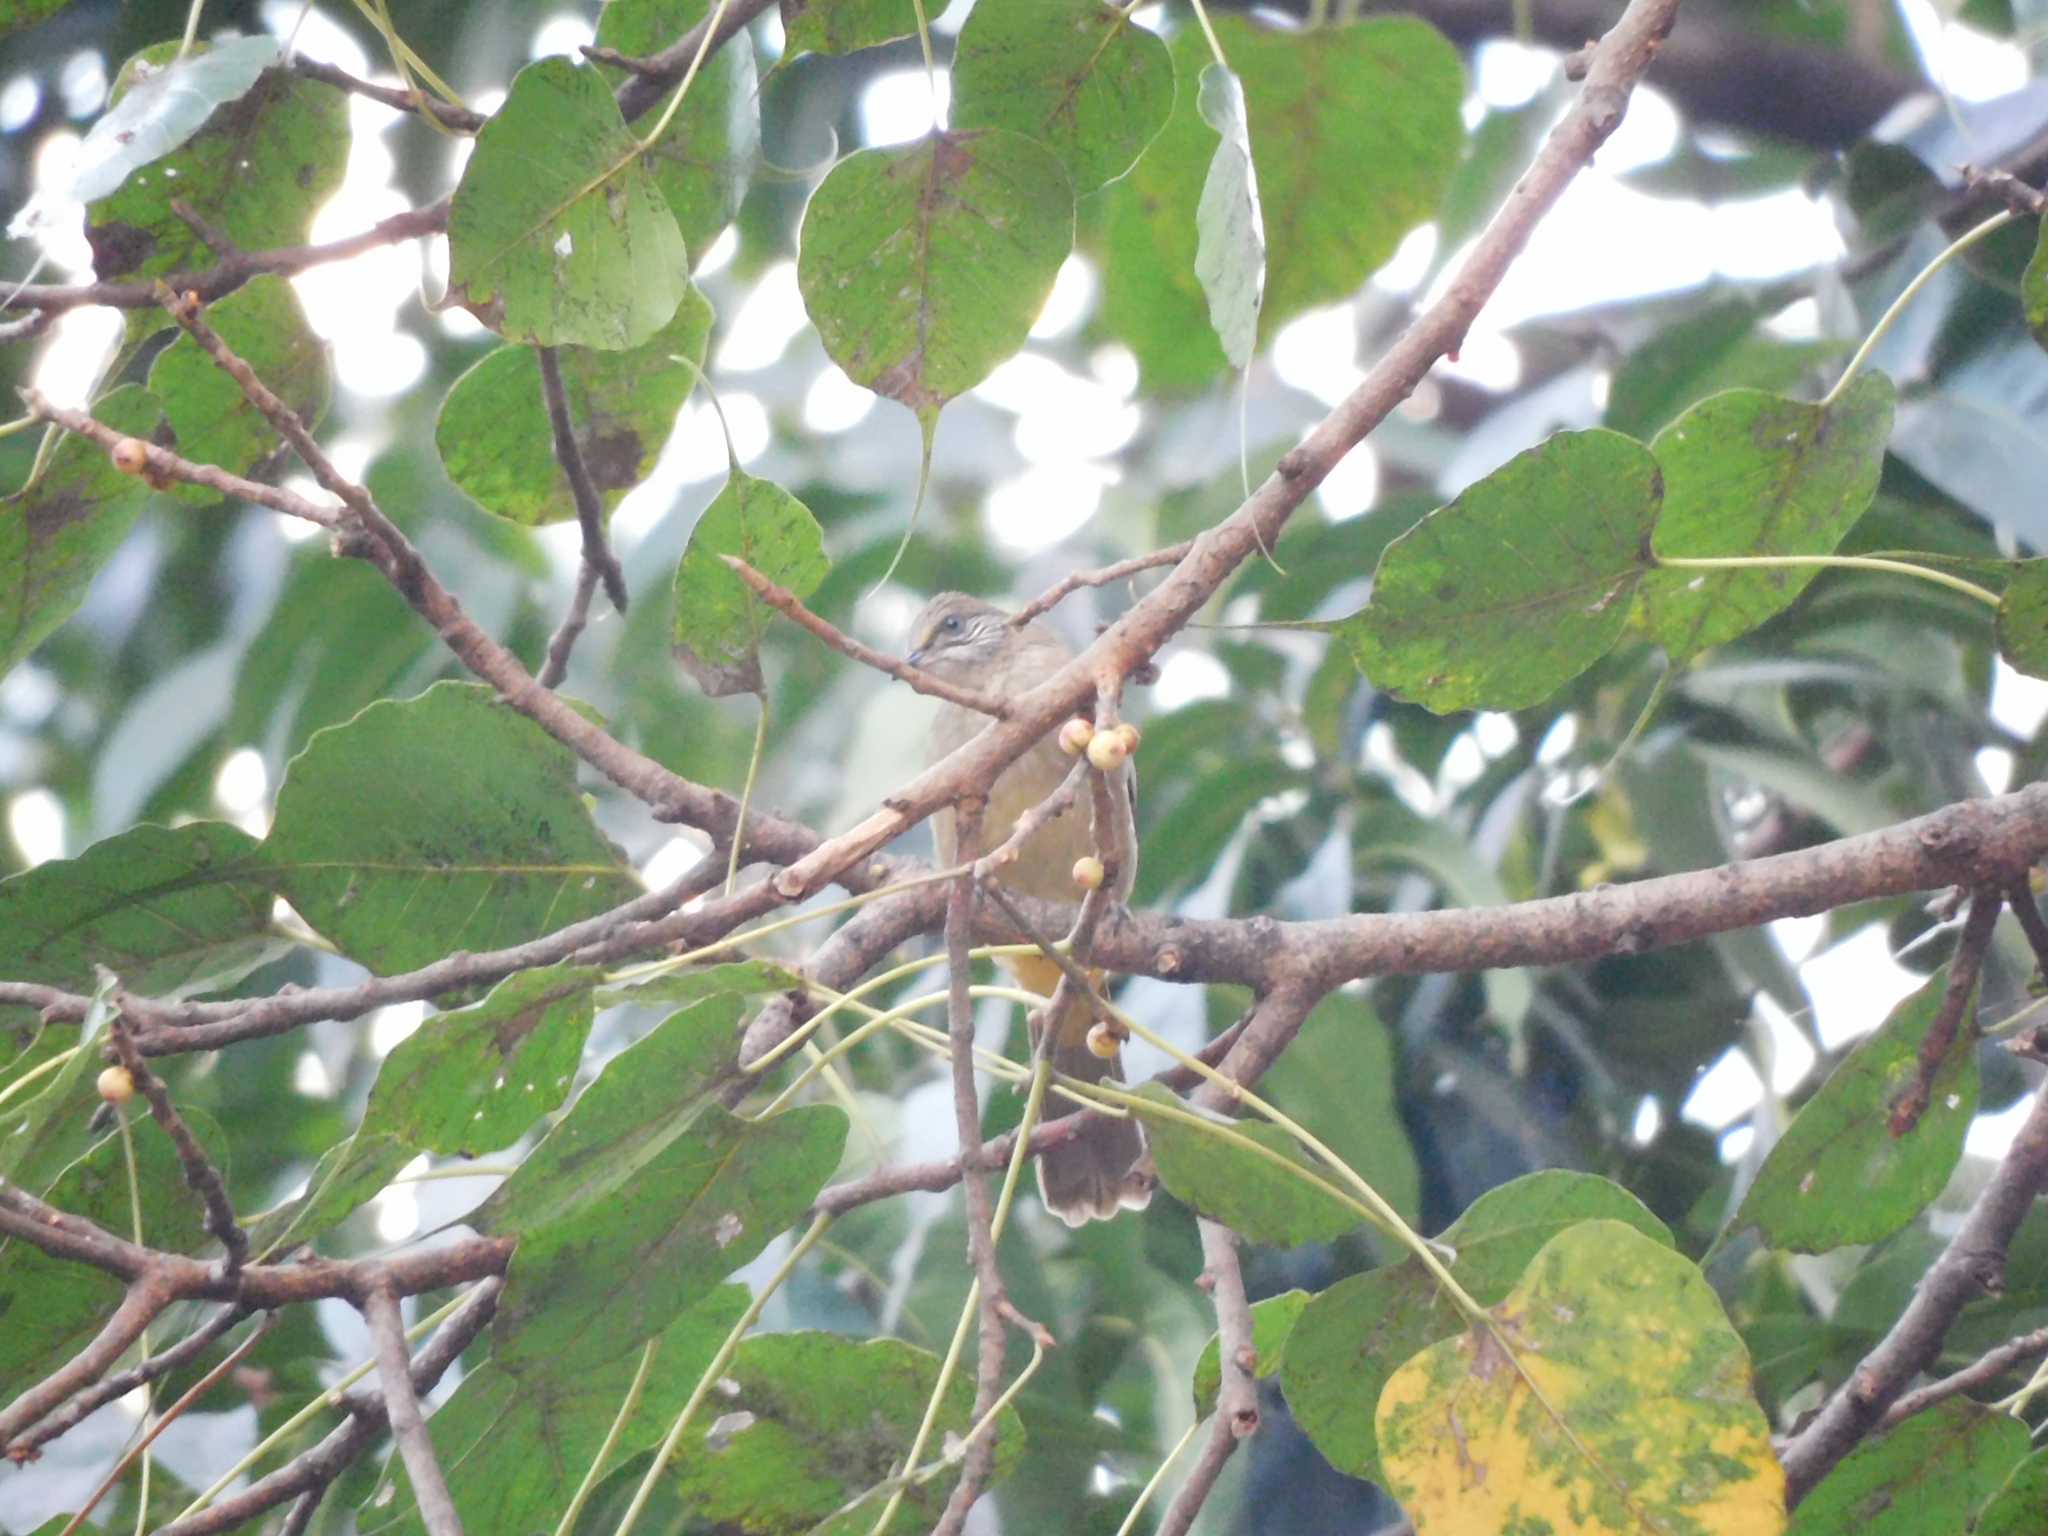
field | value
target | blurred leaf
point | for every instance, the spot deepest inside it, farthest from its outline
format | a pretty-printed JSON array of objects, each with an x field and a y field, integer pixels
[
  {"x": 744, "y": 977},
  {"x": 1838, "y": 1175},
  {"x": 846, "y": 26},
  {"x": 1339, "y": 1079},
  {"x": 16, "y": 14},
  {"x": 818, "y": 1422},
  {"x": 558, "y": 232},
  {"x": 1627, "y": 1405},
  {"x": 648, "y": 1193},
  {"x": 162, "y": 108},
  {"x": 2020, "y": 1507},
  {"x": 1272, "y": 1321},
  {"x": 1454, "y": 625},
  {"x": 706, "y": 158},
  {"x": 1747, "y": 474},
  {"x": 1928, "y": 1474},
  {"x": 718, "y": 620},
  {"x": 1354, "y": 1335},
  {"x": 1499, "y": 150},
  {"x": 497, "y": 443},
  {"x": 1718, "y": 348},
  {"x": 1236, "y": 1186},
  {"x": 211, "y": 420},
  {"x": 2023, "y": 618},
  {"x": 1078, "y": 76},
  {"x": 56, "y": 533},
  {"x": 441, "y": 823},
  {"x": 924, "y": 266},
  {"x": 257, "y": 172},
  {"x": 486, "y": 1436},
  {"x": 1230, "y": 235}
]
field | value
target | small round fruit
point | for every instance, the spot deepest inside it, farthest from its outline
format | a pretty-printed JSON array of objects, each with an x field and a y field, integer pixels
[
  {"x": 1106, "y": 751},
  {"x": 1103, "y": 1041},
  {"x": 1128, "y": 734},
  {"x": 1075, "y": 736},
  {"x": 130, "y": 456},
  {"x": 1088, "y": 872},
  {"x": 116, "y": 1086}
]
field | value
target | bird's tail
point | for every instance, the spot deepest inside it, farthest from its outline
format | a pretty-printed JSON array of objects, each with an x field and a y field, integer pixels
[{"x": 1095, "y": 1174}]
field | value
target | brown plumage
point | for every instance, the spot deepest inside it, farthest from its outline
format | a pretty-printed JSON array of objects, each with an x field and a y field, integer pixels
[{"x": 967, "y": 641}]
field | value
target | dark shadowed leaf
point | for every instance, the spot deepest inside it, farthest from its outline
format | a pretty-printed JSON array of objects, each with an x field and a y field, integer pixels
[
  {"x": 496, "y": 442},
  {"x": 1748, "y": 473},
  {"x": 1230, "y": 233},
  {"x": 1340, "y": 1079},
  {"x": 1928, "y": 1474},
  {"x": 1354, "y": 1335},
  {"x": 1272, "y": 1321},
  {"x": 56, "y": 533},
  {"x": 818, "y": 1422},
  {"x": 2023, "y": 617},
  {"x": 1523, "y": 582},
  {"x": 444, "y": 822},
  {"x": 718, "y": 620},
  {"x": 1838, "y": 1175},
  {"x": 2034, "y": 289},
  {"x": 16, "y": 14},
  {"x": 1242, "y": 1189},
  {"x": 1076, "y": 75},
  {"x": 557, "y": 232},
  {"x": 924, "y": 266}
]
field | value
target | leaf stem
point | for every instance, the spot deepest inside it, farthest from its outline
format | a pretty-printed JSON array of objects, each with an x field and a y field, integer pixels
[
  {"x": 739, "y": 826},
  {"x": 1969, "y": 589},
  {"x": 1215, "y": 47},
  {"x": 1906, "y": 296},
  {"x": 627, "y": 1407},
  {"x": 1157, "y": 1479},
  {"x": 40, "y": 1070}
]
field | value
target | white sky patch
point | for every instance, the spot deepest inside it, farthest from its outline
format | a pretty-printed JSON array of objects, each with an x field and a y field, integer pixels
[
  {"x": 1115, "y": 367},
  {"x": 1991, "y": 1134},
  {"x": 311, "y": 1077},
  {"x": 899, "y": 106},
  {"x": 1647, "y": 135},
  {"x": 718, "y": 255},
  {"x": 1061, "y": 417},
  {"x": 1410, "y": 263},
  {"x": 746, "y": 418},
  {"x": 1073, "y": 292},
  {"x": 1488, "y": 360},
  {"x": 1854, "y": 985},
  {"x": 2018, "y": 702},
  {"x": 1509, "y": 75},
  {"x": 768, "y": 320},
  {"x": 19, "y": 99},
  {"x": 564, "y": 32},
  {"x": 1970, "y": 65},
  {"x": 1792, "y": 1055},
  {"x": 1725, "y": 1092},
  {"x": 1186, "y": 676},
  {"x": 1317, "y": 353},
  {"x": 1045, "y": 504},
  {"x": 834, "y": 403},
  {"x": 1648, "y": 1122},
  {"x": 671, "y": 861},
  {"x": 1495, "y": 732},
  {"x": 1558, "y": 741},
  {"x": 35, "y": 820},
  {"x": 242, "y": 784},
  {"x": 1352, "y": 486},
  {"x": 1798, "y": 937},
  {"x": 393, "y": 1026},
  {"x": 1994, "y": 767},
  {"x": 397, "y": 1207}
]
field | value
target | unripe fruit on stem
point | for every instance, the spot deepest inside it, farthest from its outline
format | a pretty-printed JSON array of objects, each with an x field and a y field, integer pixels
[
  {"x": 1103, "y": 1040},
  {"x": 1088, "y": 872},
  {"x": 130, "y": 456},
  {"x": 1075, "y": 736},
  {"x": 1128, "y": 734},
  {"x": 1106, "y": 751},
  {"x": 116, "y": 1086}
]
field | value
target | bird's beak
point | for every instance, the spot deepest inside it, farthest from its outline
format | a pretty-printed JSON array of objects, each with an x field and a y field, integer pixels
[{"x": 916, "y": 657}]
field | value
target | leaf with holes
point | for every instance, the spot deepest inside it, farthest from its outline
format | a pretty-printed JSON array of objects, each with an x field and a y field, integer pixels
[
  {"x": 1625, "y": 1406},
  {"x": 1078, "y": 76},
  {"x": 718, "y": 619},
  {"x": 443, "y": 822},
  {"x": 496, "y": 442},
  {"x": 1502, "y": 597},
  {"x": 1838, "y": 1175},
  {"x": 557, "y": 233},
  {"x": 1750, "y": 474},
  {"x": 924, "y": 266}
]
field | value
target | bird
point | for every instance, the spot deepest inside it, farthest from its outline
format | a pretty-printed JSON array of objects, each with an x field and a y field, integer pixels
[{"x": 974, "y": 644}]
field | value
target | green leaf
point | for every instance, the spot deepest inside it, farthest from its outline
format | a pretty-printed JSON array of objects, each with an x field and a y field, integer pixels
[
  {"x": 1230, "y": 235},
  {"x": 57, "y": 532},
  {"x": 558, "y": 232},
  {"x": 1354, "y": 1335},
  {"x": 1748, "y": 473},
  {"x": 1716, "y": 349},
  {"x": 444, "y": 822},
  {"x": 1236, "y": 1186},
  {"x": 1339, "y": 1079},
  {"x": 162, "y": 108},
  {"x": 1838, "y": 1175},
  {"x": 2020, "y": 1507},
  {"x": 257, "y": 172},
  {"x": 706, "y": 157},
  {"x": 2034, "y": 288},
  {"x": 1502, "y": 597},
  {"x": 496, "y": 442},
  {"x": 1626, "y": 1408},
  {"x": 16, "y": 14},
  {"x": 1928, "y": 1474},
  {"x": 718, "y": 620},
  {"x": 648, "y": 1193},
  {"x": 2023, "y": 618},
  {"x": 1272, "y": 1321},
  {"x": 846, "y": 26},
  {"x": 1076, "y": 75},
  {"x": 746, "y": 977},
  {"x": 486, "y": 1436},
  {"x": 820, "y": 1421},
  {"x": 211, "y": 420},
  {"x": 171, "y": 911},
  {"x": 924, "y": 266}
]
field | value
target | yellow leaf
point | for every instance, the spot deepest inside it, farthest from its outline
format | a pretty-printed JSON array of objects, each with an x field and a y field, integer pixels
[{"x": 1625, "y": 1406}]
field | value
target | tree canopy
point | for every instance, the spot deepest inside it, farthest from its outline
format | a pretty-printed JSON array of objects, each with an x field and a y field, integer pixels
[{"x": 485, "y": 1043}]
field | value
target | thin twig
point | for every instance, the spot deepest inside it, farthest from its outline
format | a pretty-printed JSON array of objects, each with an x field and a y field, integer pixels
[
  {"x": 597, "y": 550},
  {"x": 791, "y": 607},
  {"x": 1911, "y": 1101},
  {"x": 1066, "y": 586},
  {"x": 564, "y": 639},
  {"x": 1237, "y": 1399},
  {"x": 205, "y": 1179},
  {"x": 121, "y": 1383},
  {"x": 1981, "y": 1372},
  {"x": 2019, "y": 899},
  {"x": 408, "y": 1425},
  {"x": 460, "y": 119}
]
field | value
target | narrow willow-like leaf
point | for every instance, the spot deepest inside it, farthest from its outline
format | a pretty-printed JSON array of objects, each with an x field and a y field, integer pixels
[{"x": 1230, "y": 233}]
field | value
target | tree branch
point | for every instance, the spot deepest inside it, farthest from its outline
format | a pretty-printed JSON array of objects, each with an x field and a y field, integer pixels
[
  {"x": 1910, "y": 1103},
  {"x": 402, "y": 1406},
  {"x": 597, "y": 550},
  {"x": 204, "y": 1179},
  {"x": 1981, "y": 1372},
  {"x": 1237, "y": 1399}
]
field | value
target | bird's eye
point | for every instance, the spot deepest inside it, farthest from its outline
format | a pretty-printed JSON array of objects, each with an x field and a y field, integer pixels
[{"x": 950, "y": 624}]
